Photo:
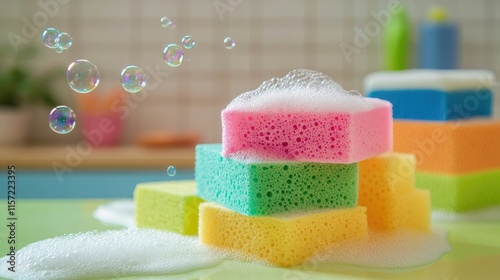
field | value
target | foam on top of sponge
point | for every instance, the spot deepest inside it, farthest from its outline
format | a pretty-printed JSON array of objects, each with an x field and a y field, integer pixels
[
  {"x": 445, "y": 80},
  {"x": 302, "y": 90}
]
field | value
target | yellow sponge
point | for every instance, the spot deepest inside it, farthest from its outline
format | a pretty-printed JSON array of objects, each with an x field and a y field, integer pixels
[
  {"x": 170, "y": 205},
  {"x": 413, "y": 210},
  {"x": 386, "y": 188},
  {"x": 279, "y": 240}
]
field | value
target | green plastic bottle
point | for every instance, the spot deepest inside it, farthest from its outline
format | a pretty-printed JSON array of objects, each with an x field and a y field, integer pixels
[{"x": 396, "y": 42}]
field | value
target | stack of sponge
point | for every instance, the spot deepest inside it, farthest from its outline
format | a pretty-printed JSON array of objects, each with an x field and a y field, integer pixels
[
  {"x": 444, "y": 118},
  {"x": 303, "y": 166},
  {"x": 284, "y": 184}
]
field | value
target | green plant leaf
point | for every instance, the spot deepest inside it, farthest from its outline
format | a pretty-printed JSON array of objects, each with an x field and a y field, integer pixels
[{"x": 19, "y": 83}]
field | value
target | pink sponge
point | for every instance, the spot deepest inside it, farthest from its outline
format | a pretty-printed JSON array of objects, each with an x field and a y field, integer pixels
[{"x": 313, "y": 121}]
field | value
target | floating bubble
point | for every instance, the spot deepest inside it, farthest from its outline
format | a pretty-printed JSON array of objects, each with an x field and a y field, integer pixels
[
  {"x": 229, "y": 43},
  {"x": 82, "y": 76},
  {"x": 133, "y": 79},
  {"x": 188, "y": 42},
  {"x": 59, "y": 50},
  {"x": 62, "y": 119},
  {"x": 64, "y": 40},
  {"x": 166, "y": 22},
  {"x": 49, "y": 37},
  {"x": 173, "y": 55},
  {"x": 171, "y": 171}
]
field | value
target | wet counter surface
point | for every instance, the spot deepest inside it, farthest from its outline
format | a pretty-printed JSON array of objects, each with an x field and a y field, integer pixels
[{"x": 475, "y": 254}]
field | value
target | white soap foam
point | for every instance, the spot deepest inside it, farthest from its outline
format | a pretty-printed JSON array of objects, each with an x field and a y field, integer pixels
[
  {"x": 445, "y": 80},
  {"x": 404, "y": 248},
  {"x": 110, "y": 254},
  {"x": 303, "y": 90},
  {"x": 485, "y": 214},
  {"x": 131, "y": 252},
  {"x": 117, "y": 213}
]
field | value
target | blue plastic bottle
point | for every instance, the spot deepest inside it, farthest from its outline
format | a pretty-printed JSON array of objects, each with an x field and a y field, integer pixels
[{"x": 438, "y": 42}]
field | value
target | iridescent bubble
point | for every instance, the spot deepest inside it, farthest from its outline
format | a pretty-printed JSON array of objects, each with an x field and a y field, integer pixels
[
  {"x": 133, "y": 79},
  {"x": 59, "y": 50},
  {"x": 229, "y": 43},
  {"x": 166, "y": 22},
  {"x": 82, "y": 76},
  {"x": 49, "y": 37},
  {"x": 173, "y": 55},
  {"x": 171, "y": 171},
  {"x": 62, "y": 119},
  {"x": 188, "y": 42},
  {"x": 64, "y": 40}
]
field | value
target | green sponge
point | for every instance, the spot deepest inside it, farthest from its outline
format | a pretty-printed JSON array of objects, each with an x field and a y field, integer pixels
[
  {"x": 459, "y": 193},
  {"x": 266, "y": 188},
  {"x": 170, "y": 205}
]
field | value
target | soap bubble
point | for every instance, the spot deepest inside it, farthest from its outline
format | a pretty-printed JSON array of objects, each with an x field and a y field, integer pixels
[
  {"x": 49, "y": 37},
  {"x": 62, "y": 119},
  {"x": 64, "y": 40},
  {"x": 173, "y": 55},
  {"x": 355, "y": 92},
  {"x": 188, "y": 42},
  {"x": 59, "y": 50},
  {"x": 229, "y": 43},
  {"x": 166, "y": 22},
  {"x": 133, "y": 79},
  {"x": 171, "y": 171},
  {"x": 82, "y": 76}
]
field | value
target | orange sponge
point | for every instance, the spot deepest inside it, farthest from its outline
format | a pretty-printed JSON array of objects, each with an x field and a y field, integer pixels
[
  {"x": 386, "y": 188},
  {"x": 279, "y": 240},
  {"x": 450, "y": 147}
]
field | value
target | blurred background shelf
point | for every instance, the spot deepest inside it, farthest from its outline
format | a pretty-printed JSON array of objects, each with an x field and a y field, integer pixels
[
  {"x": 121, "y": 157},
  {"x": 61, "y": 172}
]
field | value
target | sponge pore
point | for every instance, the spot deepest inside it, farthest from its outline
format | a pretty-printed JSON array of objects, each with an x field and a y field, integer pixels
[
  {"x": 386, "y": 189},
  {"x": 283, "y": 241},
  {"x": 170, "y": 205},
  {"x": 266, "y": 188}
]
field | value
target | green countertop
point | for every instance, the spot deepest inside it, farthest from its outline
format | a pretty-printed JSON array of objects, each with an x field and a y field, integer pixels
[{"x": 475, "y": 255}]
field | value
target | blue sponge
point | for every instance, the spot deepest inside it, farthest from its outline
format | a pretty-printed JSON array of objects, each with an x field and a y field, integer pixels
[
  {"x": 434, "y": 95},
  {"x": 436, "y": 105}
]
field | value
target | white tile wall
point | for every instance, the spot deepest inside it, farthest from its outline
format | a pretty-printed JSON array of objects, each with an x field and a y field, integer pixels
[{"x": 273, "y": 37}]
